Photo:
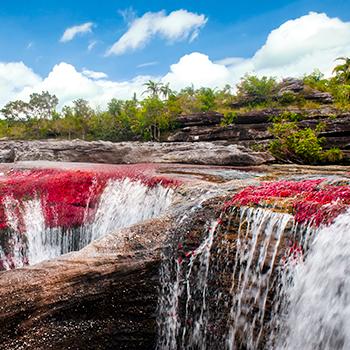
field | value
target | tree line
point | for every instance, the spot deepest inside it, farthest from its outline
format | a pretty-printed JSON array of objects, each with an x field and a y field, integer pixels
[{"x": 152, "y": 115}]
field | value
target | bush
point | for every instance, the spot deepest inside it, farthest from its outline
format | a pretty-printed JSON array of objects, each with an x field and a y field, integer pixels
[
  {"x": 253, "y": 90},
  {"x": 294, "y": 144},
  {"x": 333, "y": 155},
  {"x": 229, "y": 118}
]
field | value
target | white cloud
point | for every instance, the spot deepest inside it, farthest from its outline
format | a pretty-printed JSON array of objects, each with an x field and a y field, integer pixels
[
  {"x": 178, "y": 25},
  {"x": 92, "y": 44},
  {"x": 94, "y": 75},
  {"x": 68, "y": 84},
  {"x": 147, "y": 64},
  {"x": 196, "y": 69},
  {"x": 304, "y": 43},
  {"x": 296, "y": 47},
  {"x": 70, "y": 33},
  {"x": 14, "y": 78}
]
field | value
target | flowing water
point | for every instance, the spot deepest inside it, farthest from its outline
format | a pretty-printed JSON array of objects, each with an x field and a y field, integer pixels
[
  {"x": 122, "y": 203},
  {"x": 318, "y": 316},
  {"x": 289, "y": 287}
]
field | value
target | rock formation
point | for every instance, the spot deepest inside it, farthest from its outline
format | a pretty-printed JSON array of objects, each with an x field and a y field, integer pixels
[
  {"x": 252, "y": 128},
  {"x": 206, "y": 153}
]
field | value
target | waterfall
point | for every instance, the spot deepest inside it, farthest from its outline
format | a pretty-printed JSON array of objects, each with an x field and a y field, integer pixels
[
  {"x": 258, "y": 242},
  {"x": 259, "y": 280},
  {"x": 169, "y": 322},
  {"x": 121, "y": 204},
  {"x": 318, "y": 316},
  {"x": 218, "y": 297}
]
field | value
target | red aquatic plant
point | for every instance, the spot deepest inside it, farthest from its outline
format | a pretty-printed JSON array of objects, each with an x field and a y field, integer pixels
[
  {"x": 310, "y": 201},
  {"x": 69, "y": 197}
]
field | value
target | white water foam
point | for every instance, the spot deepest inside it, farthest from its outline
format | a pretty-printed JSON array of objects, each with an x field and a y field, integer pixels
[
  {"x": 318, "y": 316},
  {"x": 122, "y": 203},
  {"x": 259, "y": 238}
]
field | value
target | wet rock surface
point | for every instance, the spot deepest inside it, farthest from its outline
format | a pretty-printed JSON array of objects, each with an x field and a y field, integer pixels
[
  {"x": 106, "y": 295},
  {"x": 102, "y": 297}
]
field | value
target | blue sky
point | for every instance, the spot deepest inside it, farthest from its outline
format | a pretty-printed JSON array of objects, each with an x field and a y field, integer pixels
[
  {"x": 234, "y": 28},
  {"x": 30, "y": 32}
]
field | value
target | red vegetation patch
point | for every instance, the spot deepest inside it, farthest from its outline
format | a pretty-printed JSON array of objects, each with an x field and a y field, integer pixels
[
  {"x": 70, "y": 197},
  {"x": 310, "y": 201}
]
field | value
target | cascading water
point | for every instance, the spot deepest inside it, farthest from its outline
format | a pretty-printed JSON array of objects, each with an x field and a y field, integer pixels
[
  {"x": 258, "y": 242},
  {"x": 318, "y": 313},
  {"x": 273, "y": 275},
  {"x": 122, "y": 203},
  {"x": 219, "y": 296}
]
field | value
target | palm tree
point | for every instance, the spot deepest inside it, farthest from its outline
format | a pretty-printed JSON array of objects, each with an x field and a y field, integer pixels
[
  {"x": 165, "y": 90},
  {"x": 152, "y": 88},
  {"x": 342, "y": 71}
]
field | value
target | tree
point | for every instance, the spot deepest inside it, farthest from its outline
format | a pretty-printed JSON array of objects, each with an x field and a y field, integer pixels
[
  {"x": 115, "y": 107},
  {"x": 206, "y": 97},
  {"x": 165, "y": 90},
  {"x": 152, "y": 118},
  {"x": 15, "y": 111},
  {"x": 253, "y": 90},
  {"x": 152, "y": 88},
  {"x": 342, "y": 71},
  {"x": 43, "y": 105}
]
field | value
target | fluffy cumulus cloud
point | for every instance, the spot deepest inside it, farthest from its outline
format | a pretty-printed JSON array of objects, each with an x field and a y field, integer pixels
[
  {"x": 68, "y": 84},
  {"x": 196, "y": 69},
  {"x": 14, "y": 78},
  {"x": 178, "y": 25},
  {"x": 296, "y": 47},
  {"x": 94, "y": 75},
  {"x": 293, "y": 49},
  {"x": 302, "y": 44},
  {"x": 71, "y": 32}
]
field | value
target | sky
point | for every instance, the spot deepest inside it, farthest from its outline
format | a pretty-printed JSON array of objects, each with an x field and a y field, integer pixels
[{"x": 98, "y": 50}]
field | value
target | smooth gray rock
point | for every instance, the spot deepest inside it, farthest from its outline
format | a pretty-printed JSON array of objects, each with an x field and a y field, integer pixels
[{"x": 209, "y": 153}]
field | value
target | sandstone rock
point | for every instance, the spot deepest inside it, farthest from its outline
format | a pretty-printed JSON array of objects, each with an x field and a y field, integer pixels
[
  {"x": 103, "y": 297},
  {"x": 204, "y": 118},
  {"x": 134, "y": 152},
  {"x": 291, "y": 85},
  {"x": 298, "y": 88}
]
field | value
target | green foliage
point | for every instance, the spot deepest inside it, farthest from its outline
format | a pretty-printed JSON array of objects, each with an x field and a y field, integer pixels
[
  {"x": 152, "y": 117},
  {"x": 316, "y": 80},
  {"x": 254, "y": 90},
  {"x": 206, "y": 98},
  {"x": 289, "y": 98},
  {"x": 287, "y": 116},
  {"x": 293, "y": 143},
  {"x": 333, "y": 155},
  {"x": 229, "y": 118},
  {"x": 342, "y": 71}
]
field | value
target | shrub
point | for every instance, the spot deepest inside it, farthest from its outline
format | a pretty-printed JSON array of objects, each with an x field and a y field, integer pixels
[
  {"x": 301, "y": 145},
  {"x": 288, "y": 98},
  {"x": 253, "y": 90},
  {"x": 229, "y": 118},
  {"x": 333, "y": 155}
]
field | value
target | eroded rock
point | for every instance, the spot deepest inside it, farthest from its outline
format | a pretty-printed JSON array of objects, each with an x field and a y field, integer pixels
[
  {"x": 134, "y": 152},
  {"x": 102, "y": 297}
]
